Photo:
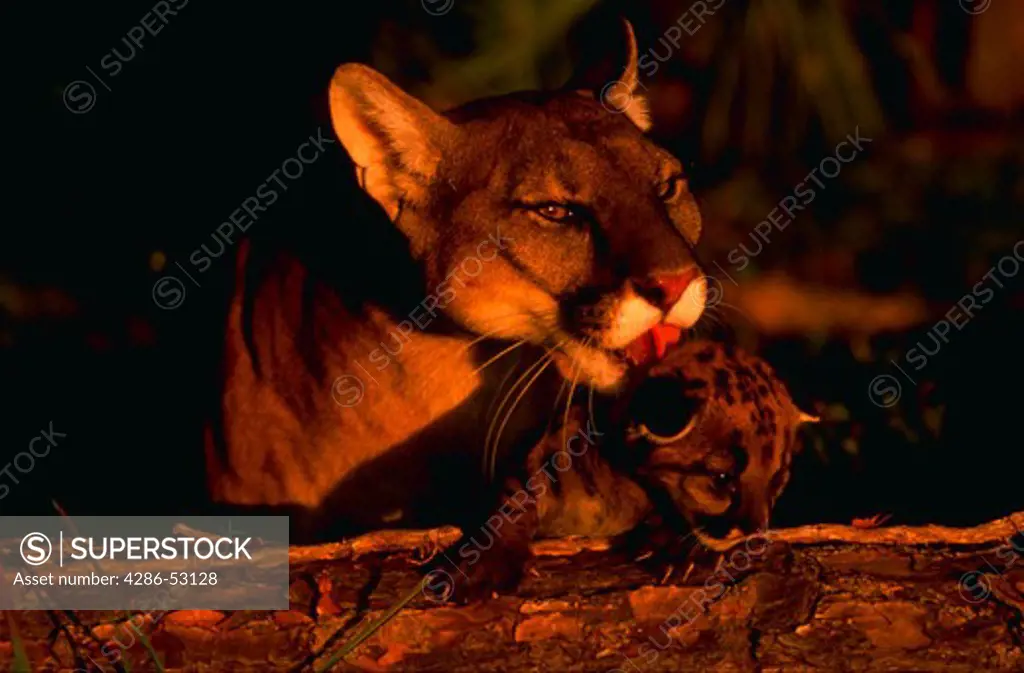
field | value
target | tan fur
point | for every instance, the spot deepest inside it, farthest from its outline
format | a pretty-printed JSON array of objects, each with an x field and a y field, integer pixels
[{"x": 448, "y": 184}]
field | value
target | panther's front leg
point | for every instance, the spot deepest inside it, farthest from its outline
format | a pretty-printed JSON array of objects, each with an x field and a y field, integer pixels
[{"x": 491, "y": 556}]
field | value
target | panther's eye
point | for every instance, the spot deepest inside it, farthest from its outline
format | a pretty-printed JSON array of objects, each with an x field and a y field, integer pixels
[
  {"x": 558, "y": 213},
  {"x": 672, "y": 188},
  {"x": 721, "y": 480}
]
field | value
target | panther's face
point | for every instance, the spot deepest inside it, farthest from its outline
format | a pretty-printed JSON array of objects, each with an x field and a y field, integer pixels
[
  {"x": 599, "y": 266},
  {"x": 712, "y": 433},
  {"x": 545, "y": 218}
]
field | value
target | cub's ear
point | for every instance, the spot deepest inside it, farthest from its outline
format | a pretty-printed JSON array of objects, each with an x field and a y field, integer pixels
[
  {"x": 618, "y": 89},
  {"x": 804, "y": 417},
  {"x": 395, "y": 140}
]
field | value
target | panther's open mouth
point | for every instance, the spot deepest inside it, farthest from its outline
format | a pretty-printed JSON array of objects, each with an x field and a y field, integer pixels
[
  {"x": 652, "y": 345},
  {"x": 605, "y": 368}
]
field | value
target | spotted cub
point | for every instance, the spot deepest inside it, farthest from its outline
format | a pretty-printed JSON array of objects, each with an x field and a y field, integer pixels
[
  {"x": 703, "y": 441},
  {"x": 712, "y": 431}
]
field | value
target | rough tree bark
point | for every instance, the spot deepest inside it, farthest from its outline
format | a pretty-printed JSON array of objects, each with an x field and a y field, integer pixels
[{"x": 816, "y": 598}]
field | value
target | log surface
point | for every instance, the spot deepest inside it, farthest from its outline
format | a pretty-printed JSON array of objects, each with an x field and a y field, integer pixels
[{"x": 816, "y": 598}]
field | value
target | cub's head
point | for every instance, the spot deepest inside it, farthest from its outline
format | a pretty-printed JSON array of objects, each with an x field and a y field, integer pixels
[
  {"x": 710, "y": 432},
  {"x": 543, "y": 217}
]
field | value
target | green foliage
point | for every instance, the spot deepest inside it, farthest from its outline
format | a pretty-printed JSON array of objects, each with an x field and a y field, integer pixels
[
  {"x": 781, "y": 69},
  {"x": 149, "y": 648},
  {"x": 512, "y": 46},
  {"x": 21, "y": 663},
  {"x": 372, "y": 627}
]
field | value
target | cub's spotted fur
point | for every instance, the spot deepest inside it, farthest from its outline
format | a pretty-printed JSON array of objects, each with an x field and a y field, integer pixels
[
  {"x": 703, "y": 442},
  {"x": 715, "y": 430}
]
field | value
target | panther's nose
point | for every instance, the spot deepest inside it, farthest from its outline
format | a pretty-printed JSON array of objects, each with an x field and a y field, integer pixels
[{"x": 664, "y": 290}]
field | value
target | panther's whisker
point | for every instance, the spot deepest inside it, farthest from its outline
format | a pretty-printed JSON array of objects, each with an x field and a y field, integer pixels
[
  {"x": 498, "y": 356},
  {"x": 501, "y": 385},
  {"x": 568, "y": 400},
  {"x": 590, "y": 410},
  {"x": 482, "y": 337},
  {"x": 501, "y": 406},
  {"x": 494, "y": 319},
  {"x": 590, "y": 400},
  {"x": 714, "y": 316},
  {"x": 490, "y": 450},
  {"x": 547, "y": 360},
  {"x": 544, "y": 314},
  {"x": 561, "y": 389},
  {"x": 737, "y": 310},
  {"x": 574, "y": 360},
  {"x": 508, "y": 416}
]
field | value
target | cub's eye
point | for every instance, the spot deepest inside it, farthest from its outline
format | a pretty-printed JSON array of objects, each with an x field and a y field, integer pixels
[
  {"x": 661, "y": 411},
  {"x": 672, "y": 188},
  {"x": 558, "y": 213},
  {"x": 662, "y": 439},
  {"x": 721, "y": 480}
]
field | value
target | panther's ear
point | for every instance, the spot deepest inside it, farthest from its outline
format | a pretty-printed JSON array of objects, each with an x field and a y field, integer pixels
[
  {"x": 395, "y": 140},
  {"x": 619, "y": 91}
]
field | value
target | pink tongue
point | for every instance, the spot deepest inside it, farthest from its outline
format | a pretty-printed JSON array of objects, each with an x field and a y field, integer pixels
[{"x": 652, "y": 344}]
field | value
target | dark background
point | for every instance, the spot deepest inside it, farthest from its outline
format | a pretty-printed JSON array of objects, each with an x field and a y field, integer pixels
[{"x": 100, "y": 205}]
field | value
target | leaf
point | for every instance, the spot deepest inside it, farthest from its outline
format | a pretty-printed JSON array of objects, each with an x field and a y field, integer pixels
[
  {"x": 372, "y": 628},
  {"x": 145, "y": 641},
  {"x": 149, "y": 648},
  {"x": 20, "y": 664}
]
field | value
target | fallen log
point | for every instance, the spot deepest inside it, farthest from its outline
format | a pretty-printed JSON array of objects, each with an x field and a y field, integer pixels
[{"x": 820, "y": 597}]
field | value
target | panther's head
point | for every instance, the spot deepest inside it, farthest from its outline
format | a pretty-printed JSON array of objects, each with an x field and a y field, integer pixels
[
  {"x": 543, "y": 217},
  {"x": 711, "y": 432}
]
